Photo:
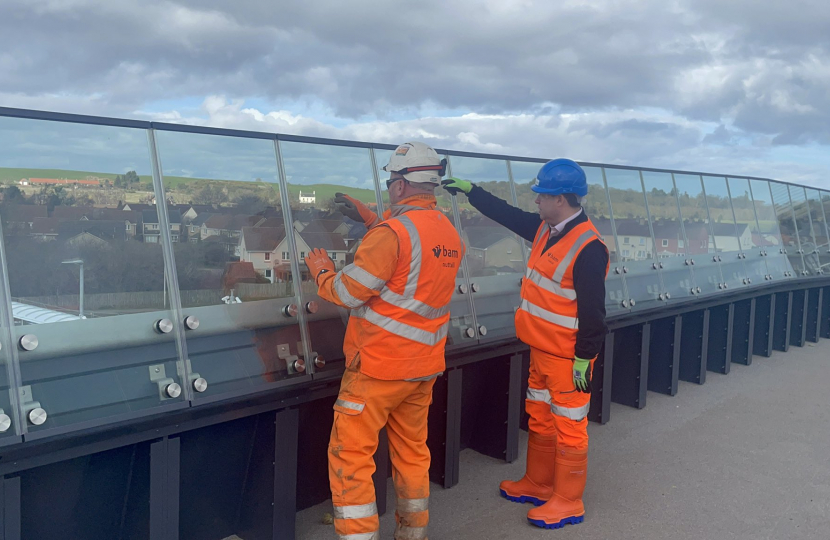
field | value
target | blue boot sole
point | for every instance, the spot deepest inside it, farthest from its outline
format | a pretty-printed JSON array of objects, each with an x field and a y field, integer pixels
[
  {"x": 522, "y": 498},
  {"x": 567, "y": 521}
]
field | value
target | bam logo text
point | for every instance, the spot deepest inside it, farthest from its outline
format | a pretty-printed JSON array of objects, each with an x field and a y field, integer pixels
[{"x": 442, "y": 251}]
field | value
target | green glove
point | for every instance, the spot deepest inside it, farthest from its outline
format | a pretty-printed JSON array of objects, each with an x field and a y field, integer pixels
[
  {"x": 582, "y": 375},
  {"x": 454, "y": 185}
]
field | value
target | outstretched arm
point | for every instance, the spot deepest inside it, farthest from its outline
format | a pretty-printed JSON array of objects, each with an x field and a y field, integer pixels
[{"x": 525, "y": 224}]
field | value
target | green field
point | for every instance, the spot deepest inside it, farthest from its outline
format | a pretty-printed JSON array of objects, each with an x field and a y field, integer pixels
[{"x": 12, "y": 176}]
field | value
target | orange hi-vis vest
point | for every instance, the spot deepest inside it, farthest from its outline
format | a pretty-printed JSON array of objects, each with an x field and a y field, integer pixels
[
  {"x": 401, "y": 333},
  {"x": 547, "y": 316}
]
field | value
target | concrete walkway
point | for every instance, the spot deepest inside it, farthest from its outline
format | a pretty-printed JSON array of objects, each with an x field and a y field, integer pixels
[{"x": 745, "y": 456}]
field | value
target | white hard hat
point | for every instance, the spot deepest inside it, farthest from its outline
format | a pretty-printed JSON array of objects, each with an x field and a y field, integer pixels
[{"x": 417, "y": 162}]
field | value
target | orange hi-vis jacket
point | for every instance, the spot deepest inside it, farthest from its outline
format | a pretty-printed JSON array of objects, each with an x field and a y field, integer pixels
[
  {"x": 399, "y": 289},
  {"x": 547, "y": 318}
]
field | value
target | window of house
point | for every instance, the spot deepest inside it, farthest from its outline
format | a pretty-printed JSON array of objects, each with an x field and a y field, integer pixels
[
  {"x": 625, "y": 253},
  {"x": 285, "y": 255},
  {"x": 642, "y": 241},
  {"x": 175, "y": 238},
  {"x": 128, "y": 226},
  {"x": 152, "y": 240},
  {"x": 302, "y": 254},
  {"x": 268, "y": 257},
  {"x": 626, "y": 240},
  {"x": 665, "y": 242},
  {"x": 268, "y": 274}
]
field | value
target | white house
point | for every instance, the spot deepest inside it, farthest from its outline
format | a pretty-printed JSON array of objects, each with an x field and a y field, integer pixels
[{"x": 308, "y": 199}]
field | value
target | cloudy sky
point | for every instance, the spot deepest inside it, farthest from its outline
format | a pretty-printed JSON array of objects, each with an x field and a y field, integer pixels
[{"x": 727, "y": 86}]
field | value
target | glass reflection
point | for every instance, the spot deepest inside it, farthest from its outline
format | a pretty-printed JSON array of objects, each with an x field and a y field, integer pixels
[
  {"x": 751, "y": 241},
  {"x": 314, "y": 174},
  {"x": 229, "y": 258},
  {"x": 700, "y": 242},
  {"x": 729, "y": 242},
  {"x": 86, "y": 271},
  {"x": 768, "y": 230},
  {"x": 808, "y": 245},
  {"x": 494, "y": 255},
  {"x": 669, "y": 238},
  {"x": 819, "y": 217},
  {"x": 786, "y": 224},
  {"x": 633, "y": 237}
]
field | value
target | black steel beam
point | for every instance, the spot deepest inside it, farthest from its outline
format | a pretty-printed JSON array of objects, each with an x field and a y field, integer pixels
[
  {"x": 694, "y": 345},
  {"x": 664, "y": 355},
  {"x": 824, "y": 315},
  {"x": 630, "y": 365},
  {"x": 743, "y": 324},
  {"x": 382, "y": 470},
  {"x": 10, "y": 511},
  {"x": 798, "y": 321},
  {"x": 601, "y": 377},
  {"x": 515, "y": 400},
  {"x": 719, "y": 357},
  {"x": 813, "y": 315},
  {"x": 763, "y": 325},
  {"x": 783, "y": 315},
  {"x": 286, "y": 433}
]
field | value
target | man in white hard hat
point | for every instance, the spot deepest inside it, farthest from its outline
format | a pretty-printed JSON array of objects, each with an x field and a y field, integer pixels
[{"x": 399, "y": 289}]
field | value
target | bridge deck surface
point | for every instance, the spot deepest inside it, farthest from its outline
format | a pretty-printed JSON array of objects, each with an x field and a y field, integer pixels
[{"x": 745, "y": 456}]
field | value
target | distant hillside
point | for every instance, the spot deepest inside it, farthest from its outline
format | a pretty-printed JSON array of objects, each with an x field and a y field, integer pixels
[{"x": 10, "y": 175}]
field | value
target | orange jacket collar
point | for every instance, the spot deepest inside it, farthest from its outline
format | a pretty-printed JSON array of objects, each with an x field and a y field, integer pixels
[{"x": 413, "y": 202}]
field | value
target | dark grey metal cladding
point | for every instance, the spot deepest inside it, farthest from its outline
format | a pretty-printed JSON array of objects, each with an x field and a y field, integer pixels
[
  {"x": 825, "y": 313},
  {"x": 694, "y": 344},
  {"x": 813, "y": 315}
]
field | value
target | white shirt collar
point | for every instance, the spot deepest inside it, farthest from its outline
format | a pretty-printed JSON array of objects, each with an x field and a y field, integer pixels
[{"x": 557, "y": 230}]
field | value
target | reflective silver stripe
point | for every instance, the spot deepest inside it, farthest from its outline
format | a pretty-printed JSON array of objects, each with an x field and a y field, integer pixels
[
  {"x": 363, "y": 277},
  {"x": 559, "y": 320},
  {"x": 415, "y": 306},
  {"x": 583, "y": 239},
  {"x": 550, "y": 285},
  {"x": 410, "y": 533},
  {"x": 356, "y": 512},
  {"x": 401, "y": 329},
  {"x": 534, "y": 394},
  {"x": 413, "y": 505},
  {"x": 350, "y": 405},
  {"x": 344, "y": 294},
  {"x": 360, "y": 536},
  {"x": 577, "y": 413},
  {"x": 415, "y": 257},
  {"x": 427, "y": 378}
]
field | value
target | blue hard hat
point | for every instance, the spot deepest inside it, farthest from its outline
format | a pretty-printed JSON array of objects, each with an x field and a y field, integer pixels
[{"x": 560, "y": 176}]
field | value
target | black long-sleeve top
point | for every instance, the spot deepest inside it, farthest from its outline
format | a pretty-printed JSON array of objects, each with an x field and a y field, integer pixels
[{"x": 588, "y": 272}]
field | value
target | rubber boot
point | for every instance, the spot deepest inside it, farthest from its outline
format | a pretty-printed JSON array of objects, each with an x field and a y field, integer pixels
[
  {"x": 565, "y": 506},
  {"x": 536, "y": 486}
]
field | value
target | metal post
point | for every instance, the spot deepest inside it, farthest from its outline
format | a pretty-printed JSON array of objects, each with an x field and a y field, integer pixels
[
  {"x": 81, "y": 302},
  {"x": 10, "y": 524}
]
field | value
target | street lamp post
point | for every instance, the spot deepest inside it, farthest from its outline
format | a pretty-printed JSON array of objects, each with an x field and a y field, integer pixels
[{"x": 79, "y": 262}]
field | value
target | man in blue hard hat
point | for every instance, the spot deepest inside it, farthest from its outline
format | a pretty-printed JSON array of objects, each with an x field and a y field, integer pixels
[{"x": 562, "y": 318}]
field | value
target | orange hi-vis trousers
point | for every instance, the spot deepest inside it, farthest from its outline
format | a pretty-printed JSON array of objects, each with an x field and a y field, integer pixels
[
  {"x": 555, "y": 406},
  {"x": 363, "y": 407}
]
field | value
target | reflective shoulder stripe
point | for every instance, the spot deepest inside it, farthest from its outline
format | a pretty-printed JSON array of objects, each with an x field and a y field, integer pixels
[
  {"x": 350, "y": 405},
  {"x": 364, "y": 277},
  {"x": 402, "y": 330},
  {"x": 356, "y": 511},
  {"x": 550, "y": 285},
  {"x": 414, "y": 258},
  {"x": 415, "y": 306},
  {"x": 581, "y": 240},
  {"x": 375, "y": 535},
  {"x": 410, "y": 533},
  {"x": 344, "y": 294},
  {"x": 576, "y": 414},
  {"x": 540, "y": 234},
  {"x": 412, "y": 505},
  {"x": 559, "y": 320},
  {"x": 534, "y": 394},
  {"x": 427, "y": 378}
]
